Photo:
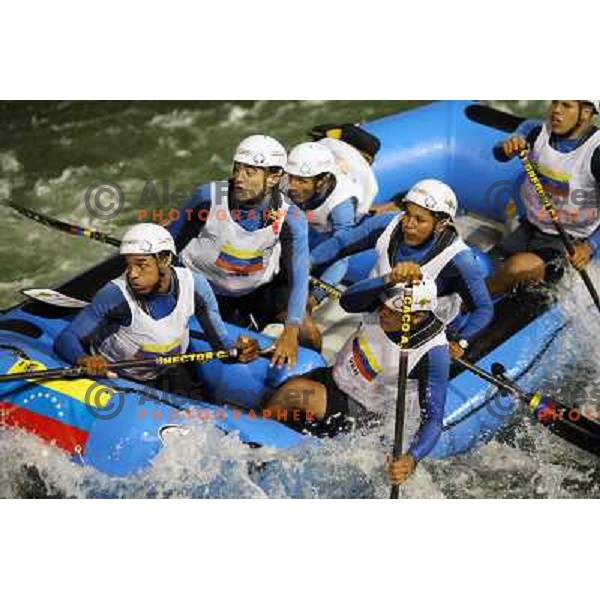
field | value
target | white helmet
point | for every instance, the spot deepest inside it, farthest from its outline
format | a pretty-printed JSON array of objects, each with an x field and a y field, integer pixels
[
  {"x": 424, "y": 296},
  {"x": 147, "y": 238},
  {"x": 595, "y": 104},
  {"x": 309, "y": 160},
  {"x": 434, "y": 195},
  {"x": 261, "y": 151}
]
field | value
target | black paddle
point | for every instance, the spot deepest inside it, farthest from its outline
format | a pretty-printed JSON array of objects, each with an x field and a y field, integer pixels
[
  {"x": 160, "y": 361},
  {"x": 551, "y": 210},
  {"x": 333, "y": 292},
  {"x": 402, "y": 383},
  {"x": 565, "y": 422},
  {"x": 91, "y": 234},
  {"x": 105, "y": 238}
]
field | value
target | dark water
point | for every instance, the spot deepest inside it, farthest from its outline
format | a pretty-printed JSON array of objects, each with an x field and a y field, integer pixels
[{"x": 50, "y": 152}]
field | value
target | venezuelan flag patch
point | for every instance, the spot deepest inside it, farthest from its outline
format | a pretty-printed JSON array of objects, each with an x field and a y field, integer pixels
[
  {"x": 240, "y": 261},
  {"x": 366, "y": 363},
  {"x": 554, "y": 183}
]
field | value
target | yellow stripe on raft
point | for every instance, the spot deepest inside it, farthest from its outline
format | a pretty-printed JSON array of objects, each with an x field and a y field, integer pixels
[{"x": 86, "y": 391}]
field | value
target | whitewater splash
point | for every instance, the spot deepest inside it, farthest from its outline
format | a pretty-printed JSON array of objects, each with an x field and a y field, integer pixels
[
  {"x": 524, "y": 461},
  {"x": 50, "y": 170},
  {"x": 203, "y": 463}
]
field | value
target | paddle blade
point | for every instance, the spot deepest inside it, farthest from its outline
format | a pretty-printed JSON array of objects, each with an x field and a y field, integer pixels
[{"x": 53, "y": 297}]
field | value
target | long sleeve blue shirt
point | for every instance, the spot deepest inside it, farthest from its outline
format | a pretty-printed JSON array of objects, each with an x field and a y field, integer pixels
[
  {"x": 435, "y": 370},
  {"x": 461, "y": 275},
  {"x": 293, "y": 238},
  {"x": 530, "y": 130},
  {"x": 342, "y": 216},
  {"x": 109, "y": 311}
]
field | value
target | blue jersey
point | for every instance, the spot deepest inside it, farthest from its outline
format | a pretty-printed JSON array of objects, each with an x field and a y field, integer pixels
[
  {"x": 342, "y": 216},
  {"x": 109, "y": 310},
  {"x": 293, "y": 238}
]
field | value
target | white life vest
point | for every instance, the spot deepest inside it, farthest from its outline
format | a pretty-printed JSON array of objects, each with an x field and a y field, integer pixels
[
  {"x": 366, "y": 368},
  {"x": 146, "y": 337},
  {"x": 353, "y": 164},
  {"x": 234, "y": 260},
  {"x": 448, "y": 307},
  {"x": 344, "y": 189},
  {"x": 567, "y": 179}
]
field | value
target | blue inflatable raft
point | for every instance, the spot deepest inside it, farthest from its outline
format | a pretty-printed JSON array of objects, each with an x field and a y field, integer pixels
[{"x": 118, "y": 427}]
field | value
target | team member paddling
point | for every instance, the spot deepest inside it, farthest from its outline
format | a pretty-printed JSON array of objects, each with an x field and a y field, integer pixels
[
  {"x": 146, "y": 313},
  {"x": 421, "y": 240},
  {"x": 363, "y": 380},
  {"x": 565, "y": 151}
]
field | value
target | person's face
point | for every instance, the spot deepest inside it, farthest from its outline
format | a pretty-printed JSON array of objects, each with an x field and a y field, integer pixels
[
  {"x": 418, "y": 224},
  {"x": 564, "y": 116},
  {"x": 301, "y": 189},
  {"x": 391, "y": 320},
  {"x": 142, "y": 273},
  {"x": 249, "y": 182}
]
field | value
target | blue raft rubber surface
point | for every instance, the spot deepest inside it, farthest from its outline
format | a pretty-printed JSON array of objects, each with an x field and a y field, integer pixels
[{"x": 437, "y": 140}]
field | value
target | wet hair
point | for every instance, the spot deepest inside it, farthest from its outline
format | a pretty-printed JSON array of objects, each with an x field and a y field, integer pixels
[
  {"x": 441, "y": 216},
  {"x": 586, "y": 104}
]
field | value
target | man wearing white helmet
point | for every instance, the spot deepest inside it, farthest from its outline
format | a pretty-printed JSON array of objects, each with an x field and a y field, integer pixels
[
  {"x": 565, "y": 151},
  {"x": 354, "y": 150},
  {"x": 146, "y": 313},
  {"x": 251, "y": 244},
  {"x": 363, "y": 381},
  {"x": 420, "y": 240},
  {"x": 316, "y": 184}
]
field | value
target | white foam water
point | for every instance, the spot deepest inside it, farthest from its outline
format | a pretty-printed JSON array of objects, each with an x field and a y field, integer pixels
[{"x": 193, "y": 144}]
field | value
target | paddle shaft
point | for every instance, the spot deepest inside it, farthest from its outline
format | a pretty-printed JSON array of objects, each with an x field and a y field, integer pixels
[
  {"x": 551, "y": 210},
  {"x": 332, "y": 291},
  {"x": 402, "y": 383},
  {"x": 99, "y": 236},
  {"x": 92, "y": 234},
  {"x": 160, "y": 361},
  {"x": 567, "y": 423}
]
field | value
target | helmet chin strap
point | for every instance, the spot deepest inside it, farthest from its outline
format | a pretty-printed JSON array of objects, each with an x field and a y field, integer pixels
[
  {"x": 442, "y": 224},
  {"x": 162, "y": 273},
  {"x": 263, "y": 194},
  {"x": 329, "y": 183},
  {"x": 265, "y": 190}
]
